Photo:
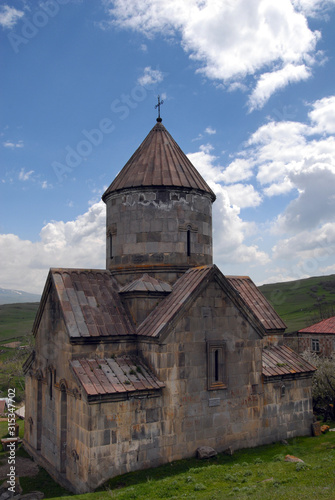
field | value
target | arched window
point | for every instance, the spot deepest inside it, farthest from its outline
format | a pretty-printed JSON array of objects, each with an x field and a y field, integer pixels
[{"x": 282, "y": 390}]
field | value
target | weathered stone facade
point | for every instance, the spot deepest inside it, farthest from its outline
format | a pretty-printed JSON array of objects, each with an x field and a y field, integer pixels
[
  {"x": 150, "y": 231},
  {"x": 130, "y": 371}
]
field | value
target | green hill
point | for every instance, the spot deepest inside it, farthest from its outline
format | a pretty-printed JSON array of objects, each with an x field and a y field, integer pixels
[
  {"x": 16, "y": 320},
  {"x": 303, "y": 302}
]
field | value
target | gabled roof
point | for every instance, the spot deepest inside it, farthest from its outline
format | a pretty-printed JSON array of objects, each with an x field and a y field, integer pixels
[
  {"x": 242, "y": 291},
  {"x": 169, "y": 308},
  {"x": 89, "y": 301},
  {"x": 105, "y": 377},
  {"x": 147, "y": 284},
  {"x": 281, "y": 360},
  {"x": 256, "y": 301},
  {"x": 92, "y": 309},
  {"x": 159, "y": 161},
  {"x": 325, "y": 326}
]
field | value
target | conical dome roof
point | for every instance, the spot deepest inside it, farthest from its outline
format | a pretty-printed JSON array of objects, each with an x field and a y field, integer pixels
[{"x": 159, "y": 161}]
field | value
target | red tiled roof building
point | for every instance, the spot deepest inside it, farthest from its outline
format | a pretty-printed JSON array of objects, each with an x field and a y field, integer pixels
[{"x": 318, "y": 338}]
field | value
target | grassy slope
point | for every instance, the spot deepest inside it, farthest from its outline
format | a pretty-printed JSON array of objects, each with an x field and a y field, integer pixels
[
  {"x": 16, "y": 320},
  {"x": 259, "y": 473},
  {"x": 303, "y": 302}
]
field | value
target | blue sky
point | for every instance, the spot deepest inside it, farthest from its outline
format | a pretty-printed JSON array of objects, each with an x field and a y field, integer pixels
[{"x": 248, "y": 91}]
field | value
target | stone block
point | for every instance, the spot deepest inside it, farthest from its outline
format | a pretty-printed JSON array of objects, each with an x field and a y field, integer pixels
[
  {"x": 206, "y": 452},
  {"x": 153, "y": 415}
]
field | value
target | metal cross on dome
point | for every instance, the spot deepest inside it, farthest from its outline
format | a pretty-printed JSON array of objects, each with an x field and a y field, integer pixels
[{"x": 159, "y": 108}]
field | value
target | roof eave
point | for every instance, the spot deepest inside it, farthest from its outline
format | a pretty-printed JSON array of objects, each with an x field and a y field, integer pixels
[
  {"x": 42, "y": 304},
  {"x": 109, "y": 192},
  {"x": 124, "y": 396}
]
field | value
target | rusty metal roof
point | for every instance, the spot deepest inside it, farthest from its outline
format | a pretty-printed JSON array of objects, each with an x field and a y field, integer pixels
[
  {"x": 325, "y": 326},
  {"x": 247, "y": 294},
  {"x": 168, "y": 309},
  {"x": 281, "y": 360},
  {"x": 258, "y": 304},
  {"x": 92, "y": 308},
  {"x": 159, "y": 161},
  {"x": 90, "y": 303},
  {"x": 111, "y": 376},
  {"x": 147, "y": 284}
]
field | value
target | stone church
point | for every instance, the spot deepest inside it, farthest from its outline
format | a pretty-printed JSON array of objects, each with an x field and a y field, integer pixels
[{"x": 142, "y": 363}]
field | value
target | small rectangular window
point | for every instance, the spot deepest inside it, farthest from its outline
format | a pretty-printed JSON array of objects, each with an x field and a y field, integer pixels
[
  {"x": 315, "y": 345},
  {"x": 216, "y": 374}
]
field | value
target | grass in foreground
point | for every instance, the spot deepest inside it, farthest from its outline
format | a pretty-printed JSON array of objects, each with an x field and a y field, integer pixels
[{"x": 258, "y": 473}]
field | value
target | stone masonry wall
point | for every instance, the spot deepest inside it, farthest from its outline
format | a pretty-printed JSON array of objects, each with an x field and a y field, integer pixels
[
  {"x": 107, "y": 439},
  {"x": 43, "y": 398},
  {"x": 149, "y": 228}
]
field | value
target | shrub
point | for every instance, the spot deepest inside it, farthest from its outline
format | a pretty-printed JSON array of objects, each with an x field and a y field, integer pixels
[
  {"x": 199, "y": 487},
  {"x": 323, "y": 385}
]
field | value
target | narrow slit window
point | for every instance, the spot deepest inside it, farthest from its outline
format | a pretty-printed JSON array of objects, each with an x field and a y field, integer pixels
[
  {"x": 50, "y": 384},
  {"x": 110, "y": 246},
  {"x": 216, "y": 366},
  {"x": 188, "y": 242}
]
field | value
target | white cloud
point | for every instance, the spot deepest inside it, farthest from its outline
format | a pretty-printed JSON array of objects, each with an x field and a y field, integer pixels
[
  {"x": 268, "y": 83},
  {"x": 79, "y": 243},
  {"x": 210, "y": 131},
  {"x": 218, "y": 36},
  {"x": 280, "y": 188},
  {"x": 204, "y": 162},
  {"x": 25, "y": 176},
  {"x": 9, "y": 16},
  {"x": 243, "y": 195},
  {"x": 230, "y": 234},
  {"x": 230, "y": 231},
  {"x": 323, "y": 115},
  {"x": 290, "y": 159},
  {"x": 238, "y": 170},
  {"x": 12, "y": 145},
  {"x": 317, "y": 244},
  {"x": 313, "y": 8},
  {"x": 315, "y": 203},
  {"x": 150, "y": 77}
]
